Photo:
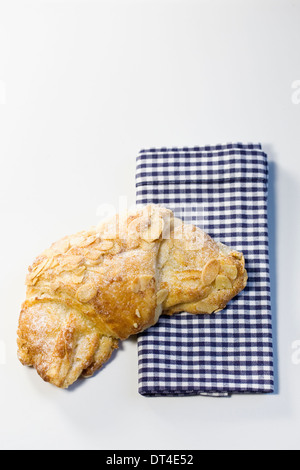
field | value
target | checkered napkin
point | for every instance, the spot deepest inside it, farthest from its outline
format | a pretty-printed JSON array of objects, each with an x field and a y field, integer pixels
[{"x": 223, "y": 190}]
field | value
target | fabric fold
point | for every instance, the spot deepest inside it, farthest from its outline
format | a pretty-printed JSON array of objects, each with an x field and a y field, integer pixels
[{"x": 223, "y": 190}]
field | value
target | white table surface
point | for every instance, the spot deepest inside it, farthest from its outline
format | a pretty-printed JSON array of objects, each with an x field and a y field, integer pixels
[{"x": 84, "y": 85}]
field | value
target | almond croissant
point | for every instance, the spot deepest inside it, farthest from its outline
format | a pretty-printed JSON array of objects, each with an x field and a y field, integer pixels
[{"x": 92, "y": 289}]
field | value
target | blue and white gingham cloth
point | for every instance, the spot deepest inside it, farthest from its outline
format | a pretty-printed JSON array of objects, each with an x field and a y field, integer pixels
[{"x": 222, "y": 189}]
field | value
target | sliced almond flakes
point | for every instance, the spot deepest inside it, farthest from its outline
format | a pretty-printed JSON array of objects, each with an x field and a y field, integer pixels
[
  {"x": 210, "y": 271},
  {"x": 86, "y": 292},
  {"x": 222, "y": 282}
]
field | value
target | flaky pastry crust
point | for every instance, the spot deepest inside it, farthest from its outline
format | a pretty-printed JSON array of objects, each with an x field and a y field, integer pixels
[{"x": 90, "y": 290}]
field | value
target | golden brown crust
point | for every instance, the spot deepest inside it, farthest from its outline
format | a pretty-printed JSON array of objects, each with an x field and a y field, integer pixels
[{"x": 92, "y": 289}]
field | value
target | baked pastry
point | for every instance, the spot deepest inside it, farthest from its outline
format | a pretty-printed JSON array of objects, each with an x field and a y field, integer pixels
[{"x": 92, "y": 289}]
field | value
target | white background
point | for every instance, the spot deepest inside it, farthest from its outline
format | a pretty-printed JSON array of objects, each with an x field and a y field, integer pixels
[{"x": 84, "y": 85}]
